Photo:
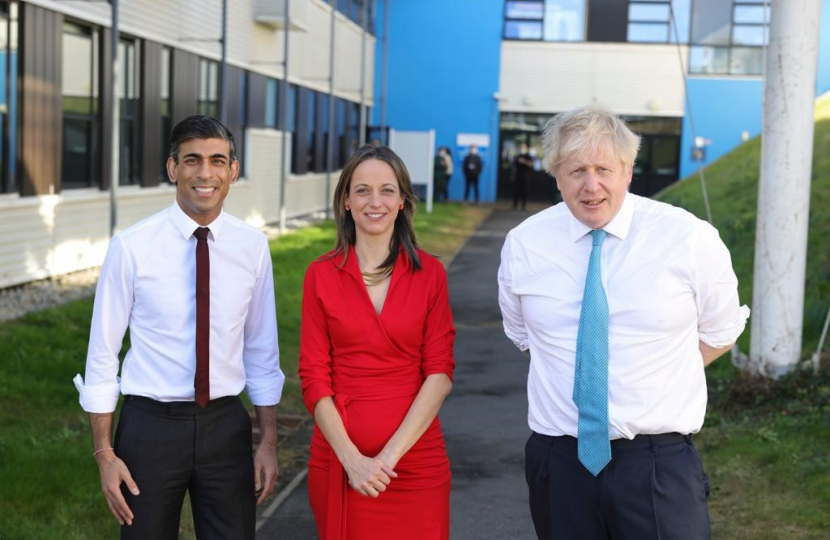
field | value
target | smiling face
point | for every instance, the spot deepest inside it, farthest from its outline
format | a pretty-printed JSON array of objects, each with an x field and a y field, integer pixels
[
  {"x": 203, "y": 176},
  {"x": 374, "y": 198},
  {"x": 593, "y": 186}
]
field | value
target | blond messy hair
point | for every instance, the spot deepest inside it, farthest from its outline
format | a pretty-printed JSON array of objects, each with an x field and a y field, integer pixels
[{"x": 587, "y": 130}]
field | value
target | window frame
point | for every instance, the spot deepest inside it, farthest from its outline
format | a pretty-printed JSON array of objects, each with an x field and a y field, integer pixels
[
  {"x": 10, "y": 110},
  {"x": 129, "y": 120},
  {"x": 166, "y": 118},
  {"x": 208, "y": 75},
  {"x": 650, "y": 22},
  {"x": 732, "y": 48},
  {"x": 508, "y": 20},
  {"x": 92, "y": 119}
]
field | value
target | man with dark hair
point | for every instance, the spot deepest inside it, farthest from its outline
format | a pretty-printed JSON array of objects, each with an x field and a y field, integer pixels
[{"x": 195, "y": 287}]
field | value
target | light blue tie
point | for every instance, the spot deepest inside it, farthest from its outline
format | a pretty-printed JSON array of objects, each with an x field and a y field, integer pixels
[{"x": 591, "y": 374}]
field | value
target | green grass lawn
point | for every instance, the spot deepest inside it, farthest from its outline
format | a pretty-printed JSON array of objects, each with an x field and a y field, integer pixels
[
  {"x": 766, "y": 445},
  {"x": 50, "y": 487}
]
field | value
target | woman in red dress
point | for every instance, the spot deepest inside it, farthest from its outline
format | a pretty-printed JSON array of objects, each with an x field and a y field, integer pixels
[{"x": 376, "y": 362}]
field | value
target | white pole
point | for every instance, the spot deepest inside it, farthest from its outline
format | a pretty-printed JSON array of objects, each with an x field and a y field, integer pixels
[
  {"x": 430, "y": 170},
  {"x": 284, "y": 116},
  {"x": 784, "y": 187}
]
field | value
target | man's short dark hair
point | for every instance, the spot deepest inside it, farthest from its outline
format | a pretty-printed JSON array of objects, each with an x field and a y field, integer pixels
[{"x": 200, "y": 127}]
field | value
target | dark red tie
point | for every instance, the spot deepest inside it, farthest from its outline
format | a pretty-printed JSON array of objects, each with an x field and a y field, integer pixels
[{"x": 202, "y": 382}]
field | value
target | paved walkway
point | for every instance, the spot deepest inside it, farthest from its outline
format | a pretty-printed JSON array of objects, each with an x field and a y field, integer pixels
[{"x": 485, "y": 417}]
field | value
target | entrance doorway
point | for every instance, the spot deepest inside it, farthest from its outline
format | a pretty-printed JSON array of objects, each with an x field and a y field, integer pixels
[{"x": 657, "y": 164}]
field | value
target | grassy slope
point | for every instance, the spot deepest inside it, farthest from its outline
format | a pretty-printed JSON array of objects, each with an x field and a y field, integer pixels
[
  {"x": 765, "y": 445},
  {"x": 49, "y": 486},
  {"x": 732, "y": 182}
]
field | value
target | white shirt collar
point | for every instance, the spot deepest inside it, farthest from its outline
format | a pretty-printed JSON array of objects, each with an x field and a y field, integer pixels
[
  {"x": 619, "y": 226},
  {"x": 186, "y": 225}
]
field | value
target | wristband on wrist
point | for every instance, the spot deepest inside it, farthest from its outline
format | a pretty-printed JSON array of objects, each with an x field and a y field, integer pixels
[{"x": 95, "y": 453}]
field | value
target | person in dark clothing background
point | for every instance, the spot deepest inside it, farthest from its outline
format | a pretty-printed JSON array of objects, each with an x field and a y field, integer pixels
[
  {"x": 472, "y": 169},
  {"x": 523, "y": 168},
  {"x": 440, "y": 178}
]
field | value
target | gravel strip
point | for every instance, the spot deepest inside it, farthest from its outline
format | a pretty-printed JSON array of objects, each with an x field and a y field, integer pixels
[{"x": 46, "y": 293}]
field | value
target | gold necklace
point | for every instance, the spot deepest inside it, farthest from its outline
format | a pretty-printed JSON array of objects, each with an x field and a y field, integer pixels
[{"x": 375, "y": 278}]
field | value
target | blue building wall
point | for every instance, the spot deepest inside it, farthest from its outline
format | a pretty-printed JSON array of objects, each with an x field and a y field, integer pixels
[
  {"x": 823, "y": 78},
  {"x": 724, "y": 108},
  {"x": 443, "y": 70}
]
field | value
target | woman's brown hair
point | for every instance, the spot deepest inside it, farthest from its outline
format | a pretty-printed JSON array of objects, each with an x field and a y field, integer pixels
[{"x": 403, "y": 235}]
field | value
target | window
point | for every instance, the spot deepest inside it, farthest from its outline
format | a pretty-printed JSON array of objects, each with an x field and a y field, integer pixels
[
  {"x": 551, "y": 20},
  {"x": 321, "y": 162},
  {"x": 208, "y": 88},
  {"x": 339, "y": 133},
  {"x": 128, "y": 95},
  {"x": 79, "y": 93},
  {"x": 728, "y": 37},
  {"x": 650, "y": 21},
  {"x": 346, "y": 130},
  {"x": 353, "y": 9},
  {"x": 272, "y": 102},
  {"x": 353, "y": 132},
  {"x": 290, "y": 123},
  {"x": 8, "y": 97},
  {"x": 523, "y": 20},
  {"x": 309, "y": 126},
  {"x": 165, "y": 109},
  {"x": 564, "y": 20}
]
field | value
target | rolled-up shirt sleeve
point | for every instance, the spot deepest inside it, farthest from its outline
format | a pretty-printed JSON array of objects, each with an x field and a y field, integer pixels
[
  {"x": 315, "y": 345},
  {"x": 264, "y": 379},
  {"x": 439, "y": 333},
  {"x": 100, "y": 388},
  {"x": 721, "y": 317},
  {"x": 510, "y": 303}
]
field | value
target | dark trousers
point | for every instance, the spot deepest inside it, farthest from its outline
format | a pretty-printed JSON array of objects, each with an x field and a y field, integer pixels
[
  {"x": 174, "y": 448},
  {"x": 471, "y": 183},
  {"x": 653, "y": 488}
]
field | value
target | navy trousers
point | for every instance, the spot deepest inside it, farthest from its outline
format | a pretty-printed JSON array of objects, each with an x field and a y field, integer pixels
[
  {"x": 654, "y": 488},
  {"x": 174, "y": 448}
]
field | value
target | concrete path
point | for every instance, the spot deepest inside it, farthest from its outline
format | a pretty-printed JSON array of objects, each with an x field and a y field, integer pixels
[{"x": 485, "y": 417}]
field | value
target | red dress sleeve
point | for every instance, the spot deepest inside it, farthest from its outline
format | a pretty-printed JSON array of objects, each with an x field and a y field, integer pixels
[
  {"x": 439, "y": 332},
  {"x": 315, "y": 344}
]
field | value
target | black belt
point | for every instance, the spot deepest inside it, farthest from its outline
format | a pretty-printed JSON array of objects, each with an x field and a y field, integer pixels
[
  {"x": 179, "y": 408},
  {"x": 638, "y": 442}
]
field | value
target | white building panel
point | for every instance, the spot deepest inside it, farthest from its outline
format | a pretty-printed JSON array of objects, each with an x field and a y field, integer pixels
[
  {"x": 56, "y": 234},
  {"x": 631, "y": 79},
  {"x": 347, "y": 57},
  {"x": 194, "y": 26}
]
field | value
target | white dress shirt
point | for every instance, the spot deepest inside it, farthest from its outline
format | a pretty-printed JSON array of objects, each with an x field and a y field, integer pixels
[
  {"x": 148, "y": 282},
  {"x": 669, "y": 282}
]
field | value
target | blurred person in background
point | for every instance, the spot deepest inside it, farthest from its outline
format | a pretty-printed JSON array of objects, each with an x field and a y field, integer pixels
[{"x": 472, "y": 166}]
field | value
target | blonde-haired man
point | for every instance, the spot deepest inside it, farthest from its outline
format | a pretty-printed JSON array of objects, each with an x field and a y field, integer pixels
[{"x": 621, "y": 302}]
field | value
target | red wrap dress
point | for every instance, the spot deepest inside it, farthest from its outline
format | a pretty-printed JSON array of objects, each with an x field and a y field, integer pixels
[{"x": 373, "y": 366}]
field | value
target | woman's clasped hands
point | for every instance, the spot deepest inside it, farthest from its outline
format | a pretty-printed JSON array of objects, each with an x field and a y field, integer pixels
[{"x": 369, "y": 476}]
